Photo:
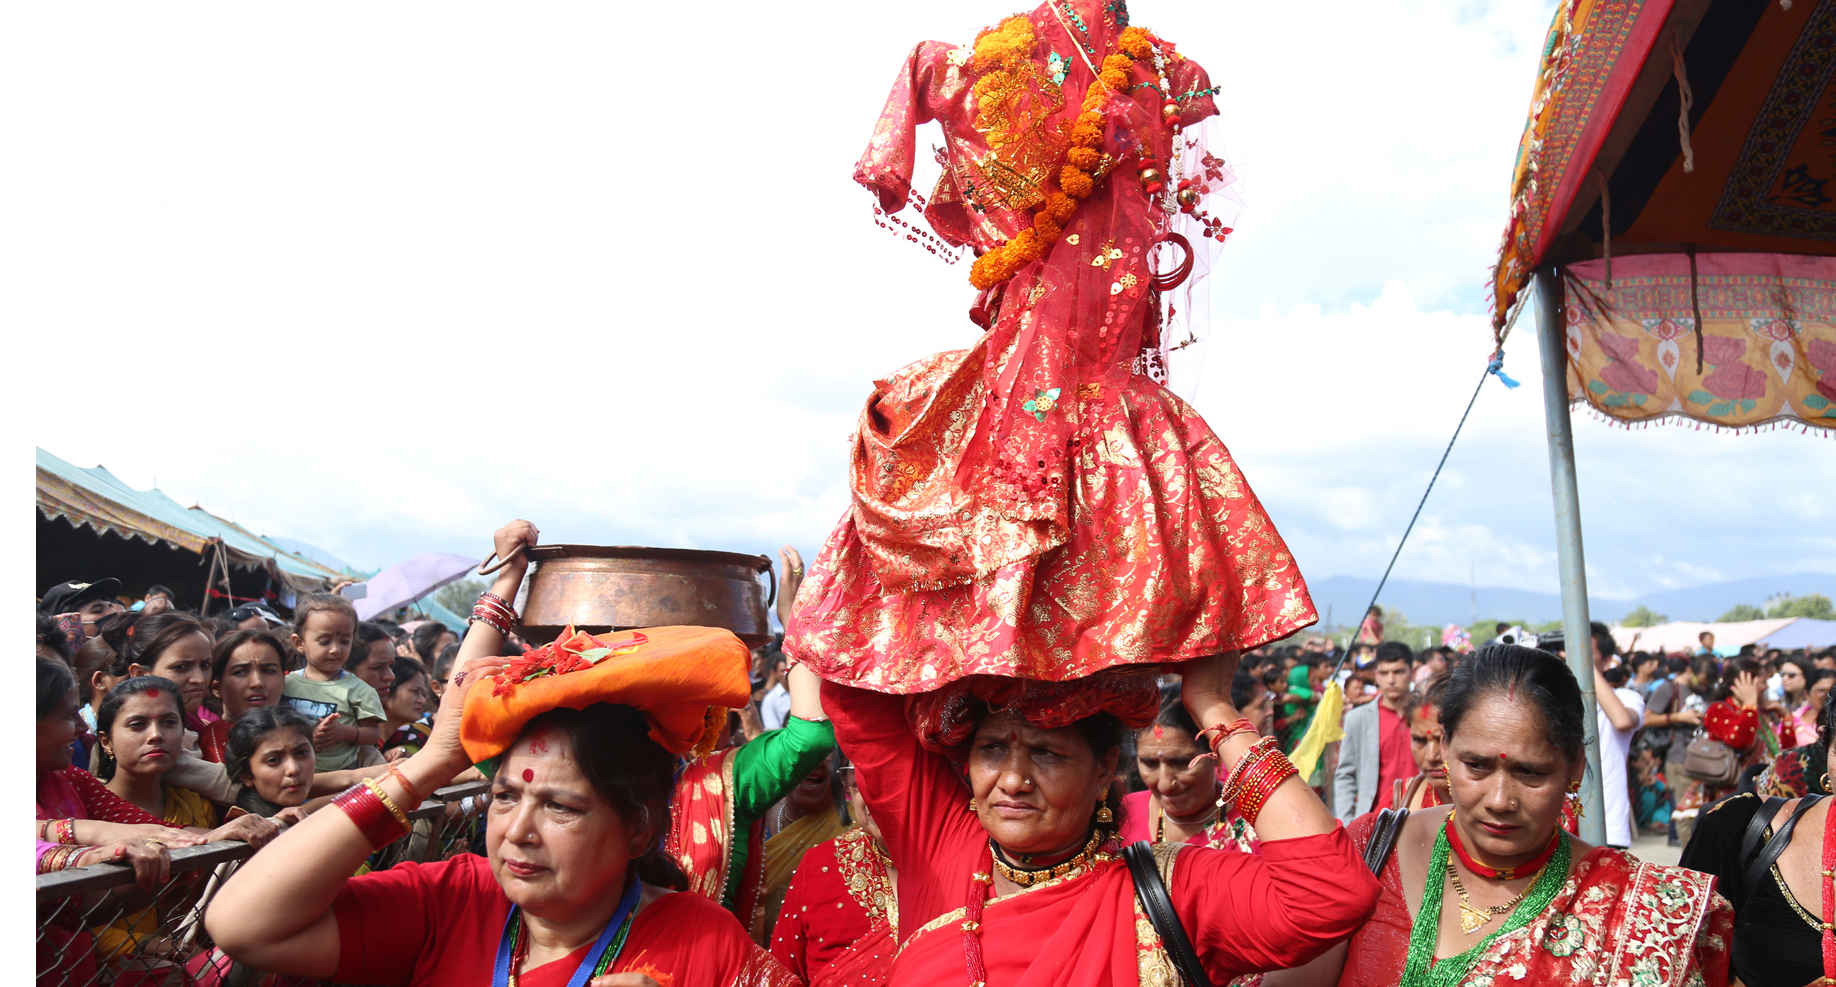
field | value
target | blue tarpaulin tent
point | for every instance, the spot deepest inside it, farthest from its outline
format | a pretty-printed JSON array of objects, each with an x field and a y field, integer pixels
[{"x": 1803, "y": 633}]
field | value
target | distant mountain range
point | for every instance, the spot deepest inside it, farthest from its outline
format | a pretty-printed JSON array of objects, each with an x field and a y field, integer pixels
[{"x": 1452, "y": 603}]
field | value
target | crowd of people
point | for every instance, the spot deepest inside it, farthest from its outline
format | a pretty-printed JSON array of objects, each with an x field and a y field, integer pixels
[
  {"x": 1038, "y": 717},
  {"x": 817, "y": 812}
]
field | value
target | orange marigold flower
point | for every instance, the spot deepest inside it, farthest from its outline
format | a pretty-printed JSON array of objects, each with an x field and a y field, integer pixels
[
  {"x": 1095, "y": 98},
  {"x": 1075, "y": 183},
  {"x": 1118, "y": 63},
  {"x": 1085, "y": 158},
  {"x": 1044, "y": 227},
  {"x": 1027, "y": 247},
  {"x": 1086, "y": 134},
  {"x": 1137, "y": 42},
  {"x": 1060, "y": 207},
  {"x": 983, "y": 273},
  {"x": 1117, "y": 81}
]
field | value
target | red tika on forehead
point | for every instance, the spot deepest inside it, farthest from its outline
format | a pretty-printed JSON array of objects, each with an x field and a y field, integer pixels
[
  {"x": 528, "y": 774},
  {"x": 538, "y": 744},
  {"x": 152, "y": 691},
  {"x": 1159, "y": 733}
]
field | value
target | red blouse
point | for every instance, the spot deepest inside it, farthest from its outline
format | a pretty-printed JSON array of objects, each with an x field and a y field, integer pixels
[
  {"x": 840, "y": 893},
  {"x": 436, "y": 924},
  {"x": 1244, "y": 912},
  {"x": 1733, "y": 725}
]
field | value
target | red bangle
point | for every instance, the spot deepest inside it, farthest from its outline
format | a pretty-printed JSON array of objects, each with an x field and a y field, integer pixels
[{"x": 372, "y": 818}]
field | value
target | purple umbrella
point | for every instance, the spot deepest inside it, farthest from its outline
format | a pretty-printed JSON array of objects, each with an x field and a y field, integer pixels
[{"x": 408, "y": 581}]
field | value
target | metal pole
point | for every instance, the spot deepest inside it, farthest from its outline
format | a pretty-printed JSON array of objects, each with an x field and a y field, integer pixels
[{"x": 1568, "y": 537}]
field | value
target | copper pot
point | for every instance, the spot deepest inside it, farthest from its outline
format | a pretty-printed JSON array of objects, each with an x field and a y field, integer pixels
[{"x": 599, "y": 589}]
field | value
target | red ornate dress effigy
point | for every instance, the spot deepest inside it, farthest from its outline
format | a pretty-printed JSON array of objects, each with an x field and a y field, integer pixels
[{"x": 1039, "y": 505}]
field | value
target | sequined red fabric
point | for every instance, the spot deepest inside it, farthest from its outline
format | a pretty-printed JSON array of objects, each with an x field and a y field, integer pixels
[
  {"x": 1168, "y": 556},
  {"x": 1038, "y": 506}
]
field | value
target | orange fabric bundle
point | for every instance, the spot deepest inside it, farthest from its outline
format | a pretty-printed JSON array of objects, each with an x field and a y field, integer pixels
[{"x": 683, "y": 679}]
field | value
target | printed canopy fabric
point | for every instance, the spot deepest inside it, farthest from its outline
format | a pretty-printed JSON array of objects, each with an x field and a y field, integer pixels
[
  {"x": 1767, "y": 346},
  {"x": 1592, "y": 56}
]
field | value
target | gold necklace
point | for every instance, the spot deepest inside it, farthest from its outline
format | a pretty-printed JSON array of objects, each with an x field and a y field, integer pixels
[
  {"x": 1086, "y": 858},
  {"x": 1160, "y": 822},
  {"x": 1472, "y": 917}
]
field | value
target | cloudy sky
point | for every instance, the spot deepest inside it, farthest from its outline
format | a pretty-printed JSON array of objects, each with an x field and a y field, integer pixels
[{"x": 380, "y": 277}]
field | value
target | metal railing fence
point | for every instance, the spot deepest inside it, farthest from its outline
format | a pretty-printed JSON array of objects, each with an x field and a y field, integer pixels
[{"x": 97, "y": 929}]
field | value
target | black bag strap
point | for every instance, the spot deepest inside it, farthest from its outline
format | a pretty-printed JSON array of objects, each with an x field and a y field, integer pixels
[
  {"x": 1781, "y": 838},
  {"x": 1159, "y": 908},
  {"x": 1383, "y": 838}
]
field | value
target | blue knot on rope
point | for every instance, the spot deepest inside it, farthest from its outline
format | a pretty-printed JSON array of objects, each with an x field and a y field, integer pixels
[{"x": 1496, "y": 368}]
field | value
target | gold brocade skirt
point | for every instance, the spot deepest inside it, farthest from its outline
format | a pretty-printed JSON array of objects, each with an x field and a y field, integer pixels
[{"x": 1167, "y": 554}]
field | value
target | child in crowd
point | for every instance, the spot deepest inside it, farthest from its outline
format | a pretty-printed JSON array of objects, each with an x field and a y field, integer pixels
[
  {"x": 270, "y": 755},
  {"x": 348, "y": 713}
]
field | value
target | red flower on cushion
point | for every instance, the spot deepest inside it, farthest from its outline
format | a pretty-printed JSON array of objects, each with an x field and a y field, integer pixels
[
  {"x": 1735, "y": 381},
  {"x": 571, "y": 652}
]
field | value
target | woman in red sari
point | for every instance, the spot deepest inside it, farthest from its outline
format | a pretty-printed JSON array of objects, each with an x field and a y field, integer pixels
[
  {"x": 1491, "y": 891},
  {"x": 1740, "y": 716},
  {"x": 581, "y": 739},
  {"x": 1422, "y": 711},
  {"x": 1183, "y": 794},
  {"x": 839, "y": 926},
  {"x": 1016, "y": 879}
]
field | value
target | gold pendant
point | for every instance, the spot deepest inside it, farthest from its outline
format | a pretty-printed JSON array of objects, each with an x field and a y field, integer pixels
[{"x": 1472, "y": 919}]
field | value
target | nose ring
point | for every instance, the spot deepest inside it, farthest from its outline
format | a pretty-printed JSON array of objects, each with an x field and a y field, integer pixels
[{"x": 1513, "y": 805}]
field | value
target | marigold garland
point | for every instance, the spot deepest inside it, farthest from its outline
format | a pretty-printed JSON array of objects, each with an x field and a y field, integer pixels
[{"x": 999, "y": 51}]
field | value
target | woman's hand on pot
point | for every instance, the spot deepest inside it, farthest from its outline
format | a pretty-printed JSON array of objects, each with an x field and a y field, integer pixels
[{"x": 509, "y": 538}]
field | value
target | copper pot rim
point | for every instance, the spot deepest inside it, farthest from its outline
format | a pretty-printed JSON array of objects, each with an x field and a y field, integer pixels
[{"x": 546, "y": 553}]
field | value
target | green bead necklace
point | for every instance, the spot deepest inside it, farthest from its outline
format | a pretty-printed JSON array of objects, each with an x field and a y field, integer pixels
[{"x": 1421, "y": 970}]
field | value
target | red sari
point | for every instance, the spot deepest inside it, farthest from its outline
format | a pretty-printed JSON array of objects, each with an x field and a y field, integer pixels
[
  {"x": 431, "y": 925},
  {"x": 1617, "y": 921},
  {"x": 1244, "y": 912},
  {"x": 837, "y": 928}
]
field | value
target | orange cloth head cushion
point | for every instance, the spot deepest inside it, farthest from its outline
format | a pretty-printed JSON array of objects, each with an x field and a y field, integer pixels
[{"x": 683, "y": 679}]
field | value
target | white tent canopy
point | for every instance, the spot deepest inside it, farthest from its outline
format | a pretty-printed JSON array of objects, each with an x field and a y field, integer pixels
[{"x": 1682, "y": 635}]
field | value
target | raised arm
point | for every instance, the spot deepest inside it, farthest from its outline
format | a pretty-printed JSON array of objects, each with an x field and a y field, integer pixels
[
  {"x": 916, "y": 796},
  {"x": 1292, "y": 810},
  {"x": 275, "y": 912},
  {"x": 766, "y": 769}
]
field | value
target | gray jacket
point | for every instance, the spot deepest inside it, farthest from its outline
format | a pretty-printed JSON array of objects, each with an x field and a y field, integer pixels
[{"x": 1354, "y": 781}]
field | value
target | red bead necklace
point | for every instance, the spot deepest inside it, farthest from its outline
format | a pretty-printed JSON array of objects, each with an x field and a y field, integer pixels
[{"x": 1499, "y": 873}]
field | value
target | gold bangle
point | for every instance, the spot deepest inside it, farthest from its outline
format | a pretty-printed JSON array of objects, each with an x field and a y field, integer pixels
[{"x": 388, "y": 803}]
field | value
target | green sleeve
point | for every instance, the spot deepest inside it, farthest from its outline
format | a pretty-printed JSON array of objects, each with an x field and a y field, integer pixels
[
  {"x": 1301, "y": 691},
  {"x": 767, "y": 768},
  {"x": 367, "y": 703}
]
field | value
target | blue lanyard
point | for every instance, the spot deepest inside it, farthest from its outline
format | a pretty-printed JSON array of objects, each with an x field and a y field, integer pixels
[{"x": 506, "y": 946}]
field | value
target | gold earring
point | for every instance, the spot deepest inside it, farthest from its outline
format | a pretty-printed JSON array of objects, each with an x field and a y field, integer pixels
[
  {"x": 972, "y": 807},
  {"x": 1103, "y": 816}
]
